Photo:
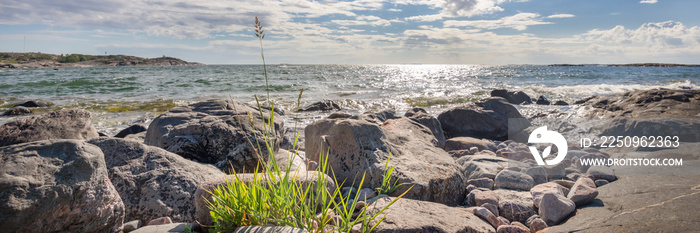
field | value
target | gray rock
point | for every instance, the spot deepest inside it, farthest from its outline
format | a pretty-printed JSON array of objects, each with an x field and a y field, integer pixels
[
  {"x": 323, "y": 105},
  {"x": 565, "y": 183},
  {"x": 461, "y": 143},
  {"x": 57, "y": 186},
  {"x": 513, "y": 97},
  {"x": 361, "y": 147},
  {"x": 538, "y": 174},
  {"x": 422, "y": 117},
  {"x": 481, "y": 183},
  {"x": 202, "y": 195},
  {"x": 137, "y": 137},
  {"x": 602, "y": 172},
  {"x": 482, "y": 166},
  {"x": 407, "y": 215},
  {"x": 555, "y": 208},
  {"x": 217, "y": 132},
  {"x": 268, "y": 229},
  {"x": 543, "y": 101},
  {"x": 491, "y": 207},
  {"x": 561, "y": 103},
  {"x": 539, "y": 190},
  {"x": 33, "y": 104},
  {"x": 484, "y": 119},
  {"x": 601, "y": 182},
  {"x": 645, "y": 104},
  {"x": 164, "y": 228},
  {"x": 514, "y": 205},
  {"x": 555, "y": 172},
  {"x": 134, "y": 129},
  {"x": 131, "y": 226},
  {"x": 160, "y": 221},
  {"x": 63, "y": 124},
  {"x": 508, "y": 179},
  {"x": 583, "y": 191},
  {"x": 295, "y": 161},
  {"x": 153, "y": 182}
]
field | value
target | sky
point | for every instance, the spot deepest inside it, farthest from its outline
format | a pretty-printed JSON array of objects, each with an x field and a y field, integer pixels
[{"x": 361, "y": 32}]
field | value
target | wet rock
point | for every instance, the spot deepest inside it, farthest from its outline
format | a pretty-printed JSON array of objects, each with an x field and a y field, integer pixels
[
  {"x": 17, "y": 111},
  {"x": 217, "y": 132},
  {"x": 485, "y": 119},
  {"x": 57, "y": 186},
  {"x": 360, "y": 146},
  {"x": 487, "y": 215},
  {"x": 481, "y": 183},
  {"x": 134, "y": 129},
  {"x": 63, "y": 124},
  {"x": 512, "y": 229},
  {"x": 323, "y": 105},
  {"x": 583, "y": 191},
  {"x": 153, "y": 182},
  {"x": 407, "y": 215},
  {"x": 537, "y": 225},
  {"x": 33, "y": 104},
  {"x": 507, "y": 179},
  {"x": 514, "y": 205},
  {"x": 543, "y": 101},
  {"x": 513, "y": 97},
  {"x": 555, "y": 208},
  {"x": 602, "y": 172},
  {"x": 601, "y": 182},
  {"x": 422, "y": 117},
  {"x": 202, "y": 195},
  {"x": 560, "y": 103}
]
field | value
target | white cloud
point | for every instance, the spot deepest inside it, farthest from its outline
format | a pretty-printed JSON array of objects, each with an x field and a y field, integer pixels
[
  {"x": 459, "y": 8},
  {"x": 518, "y": 22},
  {"x": 370, "y": 20},
  {"x": 649, "y": 1},
  {"x": 424, "y": 18},
  {"x": 394, "y": 10},
  {"x": 556, "y": 16}
]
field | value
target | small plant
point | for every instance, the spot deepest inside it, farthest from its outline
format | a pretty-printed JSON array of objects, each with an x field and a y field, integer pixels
[
  {"x": 275, "y": 195},
  {"x": 388, "y": 187}
]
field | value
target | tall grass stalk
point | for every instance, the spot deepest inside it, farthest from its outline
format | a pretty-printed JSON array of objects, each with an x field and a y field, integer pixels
[{"x": 275, "y": 194}]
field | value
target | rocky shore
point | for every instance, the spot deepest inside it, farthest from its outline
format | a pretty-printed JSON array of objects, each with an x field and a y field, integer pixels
[
  {"x": 43, "y": 60},
  {"x": 468, "y": 175}
]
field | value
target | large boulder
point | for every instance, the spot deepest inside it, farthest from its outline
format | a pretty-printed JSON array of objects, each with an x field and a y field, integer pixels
[
  {"x": 63, "y": 124},
  {"x": 422, "y": 117},
  {"x": 583, "y": 191},
  {"x": 407, "y": 215},
  {"x": 57, "y": 186},
  {"x": 203, "y": 193},
  {"x": 359, "y": 146},
  {"x": 507, "y": 179},
  {"x": 153, "y": 182},
  {"x": 217, "y": 132},
  {"x": 555, "y": 208},
  {"x": 485, "y": 119}
]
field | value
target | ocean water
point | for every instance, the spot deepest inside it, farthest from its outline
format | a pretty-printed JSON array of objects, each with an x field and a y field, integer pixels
[{"x": 120, "y": 96}]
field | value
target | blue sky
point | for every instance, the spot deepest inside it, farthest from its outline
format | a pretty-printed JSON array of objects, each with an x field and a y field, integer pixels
[{"x": 361, "y": 32}]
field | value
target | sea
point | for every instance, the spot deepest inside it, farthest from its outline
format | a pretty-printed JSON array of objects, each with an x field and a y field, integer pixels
[{"x": 121, "y": 96}]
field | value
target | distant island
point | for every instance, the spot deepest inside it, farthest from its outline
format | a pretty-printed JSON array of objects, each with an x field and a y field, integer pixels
[
  {"x": 39, "y": 60},
  {"x": 633, "y": 65}
]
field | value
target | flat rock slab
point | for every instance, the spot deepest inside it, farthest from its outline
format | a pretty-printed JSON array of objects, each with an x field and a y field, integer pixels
[
  {"x": 407, "y": 215},
  {"x": 165, "y": 228},
  {"x": 652, "y": 201}
]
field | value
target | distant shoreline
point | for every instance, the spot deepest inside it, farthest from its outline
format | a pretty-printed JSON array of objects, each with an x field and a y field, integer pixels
[
  {"x": 44, "y": 60},
  {"x": 633, "y": 65}
]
